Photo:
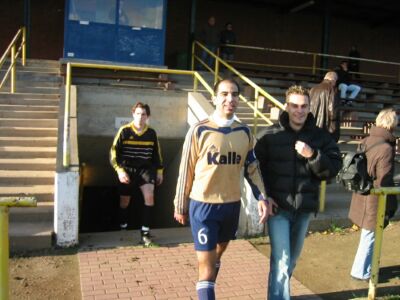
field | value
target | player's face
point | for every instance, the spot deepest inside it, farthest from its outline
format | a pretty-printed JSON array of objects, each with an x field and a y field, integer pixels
[
  {"x": 140, "y": 117},
  {"x": 298, "y": 107},
  {"x": 226, "y": 99}
]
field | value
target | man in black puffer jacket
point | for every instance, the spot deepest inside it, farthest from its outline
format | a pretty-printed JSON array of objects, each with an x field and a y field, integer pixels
[{"x": 294, "y": 157}]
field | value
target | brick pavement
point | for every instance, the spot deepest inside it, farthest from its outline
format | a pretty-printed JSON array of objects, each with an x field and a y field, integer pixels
[{"x": 170, "y": 272}]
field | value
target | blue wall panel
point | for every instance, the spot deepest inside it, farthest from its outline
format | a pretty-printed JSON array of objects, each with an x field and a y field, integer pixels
[{"x": 96, "y": 31}]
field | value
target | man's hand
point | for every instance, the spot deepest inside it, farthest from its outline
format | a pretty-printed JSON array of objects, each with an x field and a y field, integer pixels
[
  {"x": 180, "y": 218},
  {"x": 159, "y": 179},
  {"x": 262, "y": 211},
  {"x": 272, "y": 207},
  {"x": 303, "y": 149},
  {"x": 124, "y": 177}
]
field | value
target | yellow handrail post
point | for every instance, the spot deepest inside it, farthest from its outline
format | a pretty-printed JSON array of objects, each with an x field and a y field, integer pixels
[
  {"x": 4, "y": 252},
  {"x": 380, "y": 216},
  {"x": 216, "y": 70},
  {"x": 255, "y": 120},
  {"x": 314, "y": 65},
  {"x": 13, "y": 70},
  {"x": 195, "y": 82},
  {"x": 66, "y": 154},
  {"x": 322, "y": 196},
  {"x": 193, "y": 52},
  {"x": 23, "y": 46},
  {"x": 5, "y": 203}
]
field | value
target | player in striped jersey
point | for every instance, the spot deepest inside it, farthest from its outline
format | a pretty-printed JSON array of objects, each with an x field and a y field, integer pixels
[
  {"x": 208, "y": 189},
  {"x": 135, "y": 155}
]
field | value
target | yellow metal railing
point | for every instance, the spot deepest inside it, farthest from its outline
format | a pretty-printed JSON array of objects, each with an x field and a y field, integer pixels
[
  {"x": 258, "y": 91},
  {"x": 13, "y": 52},
  {"x": 66, "y": 144},
  {"x": 5, "y": 203},
  {"x": 380, "y": 216},
  {"x": 313, "y": 68}
]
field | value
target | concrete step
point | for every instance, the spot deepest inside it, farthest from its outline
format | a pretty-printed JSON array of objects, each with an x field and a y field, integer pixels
[
  {"x": 41, "y": 123},
  {"x": 27, "y": 75},
  {"x": 28, "y": 131},
  {"x": 43, "y": 212},
  {"x": 29, "y": 96},
  {"x": 43, "y": 192},
  {"x": 42, "y": 164},
  {"x": 27, "y": 152},
  {"x": 42, "y": 63},
  {"x": 38, "y": 68},
  {"x": 28, "y": 236},
  {"x": 21, "y": 84},
  {"x": 55, "y": 102},
  {"x": 40, "y": 88},
  {"x": 29, "y": 108},
  {"x": 351, "y": 130},
  {"x": 28, "y": 114},
  {"x": 26, "y": 177},
  {"x": 22, "y": 141},
  {"x": 36, "y": 63}
]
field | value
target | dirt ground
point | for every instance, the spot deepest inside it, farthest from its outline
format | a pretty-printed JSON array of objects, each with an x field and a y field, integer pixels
[
  {"x": 50, "y": 274},
  {"x": 324, "y": 268},
  {"x": 325, "y": 263}
]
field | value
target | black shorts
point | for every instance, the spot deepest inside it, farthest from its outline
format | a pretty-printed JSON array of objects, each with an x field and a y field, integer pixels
[{"x": 138, "y": 177}]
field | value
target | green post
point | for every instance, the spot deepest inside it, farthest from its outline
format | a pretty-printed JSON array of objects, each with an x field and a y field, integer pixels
[
  {"x": 322, "y": 196},
  {"x": 4, "y": 253},
  {"x": 380, "y": 216},
  {"x": 314, "y": 66},
  {"x": 193, "y": 53}
]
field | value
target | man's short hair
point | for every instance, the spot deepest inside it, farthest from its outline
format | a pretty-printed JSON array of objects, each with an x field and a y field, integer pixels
[
  {"x": 387, "y": 118},
  {"x": 331, "y": 75},
  {"x": 216, "y": 85},
  {"x": 297, "y": 90},
  {"x": 141, "y": 105}
]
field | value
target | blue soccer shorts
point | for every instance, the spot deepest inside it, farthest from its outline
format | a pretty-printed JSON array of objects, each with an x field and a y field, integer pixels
[{"x": 213, "y": 223}]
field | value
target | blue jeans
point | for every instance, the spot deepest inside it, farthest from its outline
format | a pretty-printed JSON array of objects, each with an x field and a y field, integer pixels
[
  {"x": 351, "y": 88},
  {"x": 287, "y": 231},
  {"x": 206, "y": 58},
  {"x": 362, "y": 262}
]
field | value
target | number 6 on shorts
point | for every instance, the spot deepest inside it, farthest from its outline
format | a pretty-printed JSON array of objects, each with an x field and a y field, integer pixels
[{"x": 202, "y": 237}]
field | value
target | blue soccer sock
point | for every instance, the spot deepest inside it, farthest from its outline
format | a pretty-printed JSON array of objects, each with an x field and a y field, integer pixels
[{"x": 205, "y": 290}]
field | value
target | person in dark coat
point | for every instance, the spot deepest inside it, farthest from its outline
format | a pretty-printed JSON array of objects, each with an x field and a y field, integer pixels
[
  {"x": 363, "y": 208},
  {"x": 209, "y": 36},
  {"x": 325, "y": 105},
  {"x": 227, "y": 37},
  {"x": 345, "y": 85},
  {"x": 294, "y": 157}
]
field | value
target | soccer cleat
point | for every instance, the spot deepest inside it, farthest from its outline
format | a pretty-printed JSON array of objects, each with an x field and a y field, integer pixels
[{"x": 146, "y": 240}]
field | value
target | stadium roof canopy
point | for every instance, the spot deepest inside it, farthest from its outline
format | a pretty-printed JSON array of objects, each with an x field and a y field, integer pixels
[{"x": 375, "y": 13}]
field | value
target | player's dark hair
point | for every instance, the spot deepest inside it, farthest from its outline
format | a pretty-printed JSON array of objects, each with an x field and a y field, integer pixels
[
  {"x": 216, "y": 86},
  {"x": 141, "y": 105}
]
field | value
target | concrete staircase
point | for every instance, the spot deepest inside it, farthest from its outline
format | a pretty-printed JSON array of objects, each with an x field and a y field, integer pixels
[{"x": 28, "y": 139}]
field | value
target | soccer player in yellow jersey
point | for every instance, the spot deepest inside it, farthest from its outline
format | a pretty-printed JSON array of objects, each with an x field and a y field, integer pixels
[
  {"x": 208, "y": 189},
  {"x": 136, "y": 157}
]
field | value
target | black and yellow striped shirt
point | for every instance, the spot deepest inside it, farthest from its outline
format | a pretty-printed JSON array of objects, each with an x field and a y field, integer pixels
[{"x": 136, "y": 149}]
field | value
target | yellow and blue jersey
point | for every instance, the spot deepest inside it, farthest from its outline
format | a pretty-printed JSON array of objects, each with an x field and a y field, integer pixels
[
  {"x": 211, "y": 164},
  {"x": 135, "y": 149}
]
